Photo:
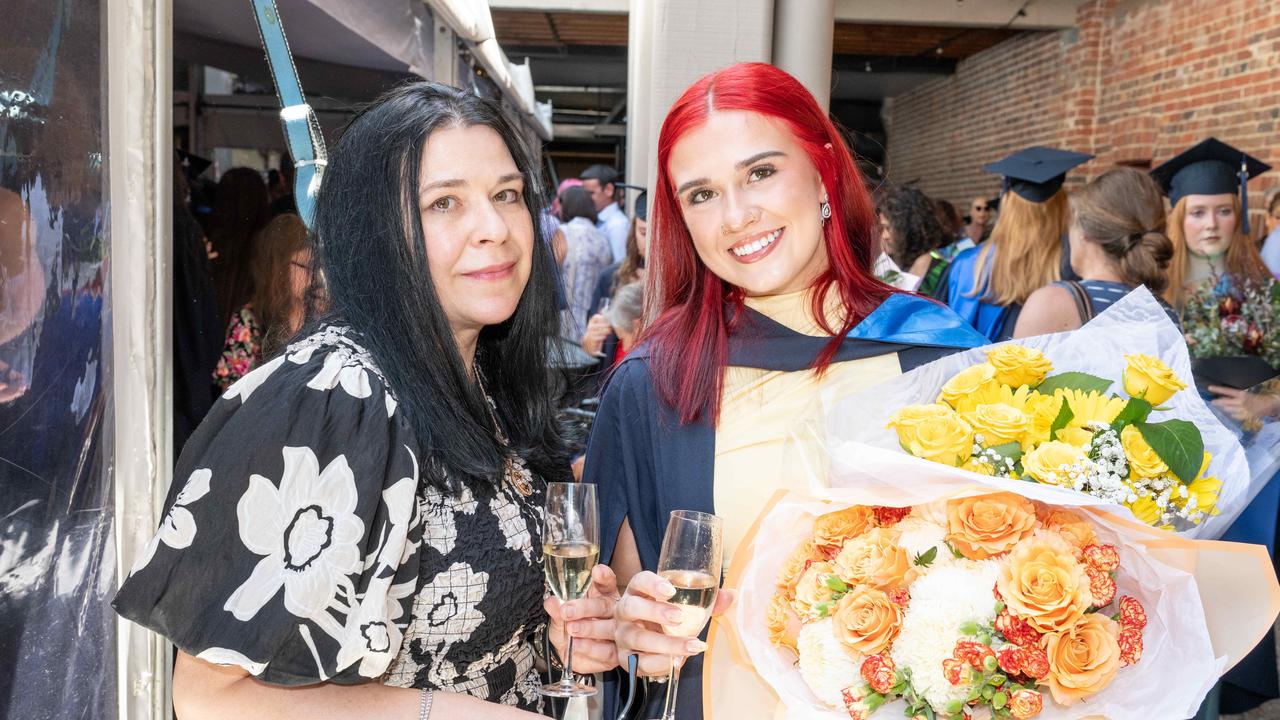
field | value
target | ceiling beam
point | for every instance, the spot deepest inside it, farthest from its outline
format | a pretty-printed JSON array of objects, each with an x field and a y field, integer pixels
[
  {"x": 611, "y": 7},
  {"x": 1038, "y": 14}
]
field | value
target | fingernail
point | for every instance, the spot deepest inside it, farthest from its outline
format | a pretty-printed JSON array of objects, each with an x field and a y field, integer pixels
[
  {"x": 667, "y": 588},
  {"x": 674, "y": 615},
  {"x": 695, "y": 646}
]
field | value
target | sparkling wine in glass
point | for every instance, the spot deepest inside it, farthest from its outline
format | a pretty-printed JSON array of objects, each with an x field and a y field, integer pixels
[
  {"x": 570, "y": 548},
  {"x": 690, "y": 561}
]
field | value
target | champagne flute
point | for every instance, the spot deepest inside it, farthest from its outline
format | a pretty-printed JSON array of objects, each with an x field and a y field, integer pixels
[
  {"x": 690, "y": 561},
  {"x": 570, "y": 548},
  {"x": 603, "y": 310}
]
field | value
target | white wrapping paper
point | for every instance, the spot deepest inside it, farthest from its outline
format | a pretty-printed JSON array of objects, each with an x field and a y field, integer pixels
[
  {"x": 1135, "y": 324},
  {"x": 1178, "y": 666}
]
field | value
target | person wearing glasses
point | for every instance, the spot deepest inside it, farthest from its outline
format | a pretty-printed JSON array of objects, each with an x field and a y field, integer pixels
[
  {"x": 765, "y": 302},
  {"x": 280, "y": 274},
  {"x": 355, "y": 531},
  {"x": 978, "y": 228}
]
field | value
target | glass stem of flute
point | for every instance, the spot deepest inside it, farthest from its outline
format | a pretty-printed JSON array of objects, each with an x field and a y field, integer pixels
[
  {"x": 566, "y": 679},
  {"x": 673, "y": 690}
]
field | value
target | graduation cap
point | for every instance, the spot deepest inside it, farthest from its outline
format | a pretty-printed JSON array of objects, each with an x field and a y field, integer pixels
[
  {"x": 1210, "y": 168},
  {"x": 1036, "y": 173},
  {"x": 192, "y": 165}
]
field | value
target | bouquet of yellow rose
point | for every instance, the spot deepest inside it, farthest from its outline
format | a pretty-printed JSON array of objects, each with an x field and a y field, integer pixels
[
  {"x": 1011, "y": 416},
  {"x": 987, "y": 603},
  {"x": 1104, "y": 410}
]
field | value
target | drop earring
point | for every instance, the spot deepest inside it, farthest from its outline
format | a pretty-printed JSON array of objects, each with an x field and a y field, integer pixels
[{"x": 825, "y": 207}]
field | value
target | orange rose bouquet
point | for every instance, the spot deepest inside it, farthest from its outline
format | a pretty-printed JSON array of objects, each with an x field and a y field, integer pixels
[{"x": 986, "y": 603}]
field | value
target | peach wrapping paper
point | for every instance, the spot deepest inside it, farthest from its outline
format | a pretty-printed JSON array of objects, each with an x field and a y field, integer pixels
[{"x": 1208, "y": 602}]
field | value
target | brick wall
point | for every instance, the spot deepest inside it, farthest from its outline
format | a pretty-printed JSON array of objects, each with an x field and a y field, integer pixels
[{"x": 1135, "y": 81}]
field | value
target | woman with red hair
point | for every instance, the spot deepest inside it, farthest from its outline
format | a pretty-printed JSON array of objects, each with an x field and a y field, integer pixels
[{"x": 763, "y": 302}]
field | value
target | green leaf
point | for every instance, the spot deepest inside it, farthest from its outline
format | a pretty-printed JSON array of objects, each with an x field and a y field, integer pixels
[
  {"x": 1074, "y": 381},
  {"x": 926, "y": 558},
  {"x": 1178, "y": 443},
  {"x": 1010, "y": 450},
  {"x": 1063, "y": 418},
  {"x": 998, "y": 700},
  {"x": 836, "y": 584},
  {"x": 1135, "y": 411},
  {"x": 823, "y": 608},
  {"x": 954, "y": 552}
]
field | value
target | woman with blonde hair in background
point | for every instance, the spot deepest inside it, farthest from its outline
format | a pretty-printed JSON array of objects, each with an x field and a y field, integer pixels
[
  {"x": 988, "y": 284},
  {"x": 1209, "y": 223},
  {"x": 1117, "y": 243}
]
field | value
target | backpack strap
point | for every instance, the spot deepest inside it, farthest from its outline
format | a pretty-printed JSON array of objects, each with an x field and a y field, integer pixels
[{"x": 1084, "y": 306}]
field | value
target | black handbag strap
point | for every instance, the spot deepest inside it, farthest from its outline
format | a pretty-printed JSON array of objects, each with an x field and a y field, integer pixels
[{"x": 1084, "y": 306}]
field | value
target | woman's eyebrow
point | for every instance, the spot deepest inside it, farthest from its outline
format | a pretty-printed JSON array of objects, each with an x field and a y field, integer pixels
[{"x": 739, "y": 165}]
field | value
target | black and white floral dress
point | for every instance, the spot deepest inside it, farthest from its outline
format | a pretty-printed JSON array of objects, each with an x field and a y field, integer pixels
[{"x": 299, "y": 544}]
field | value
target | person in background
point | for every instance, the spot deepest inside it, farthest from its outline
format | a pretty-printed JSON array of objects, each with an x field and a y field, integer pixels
[
  {"x": 624, "y": 314},
  {"x": 601, "y": 181},
  {"x": 987, "y": 284},
  {"x": 1271, "y": 244},
  {"x": 240, "y": 210},
  {"x": 197, "y": 332},
  {"x": 1117, "y": 243},
  {"x": 586, "y": 255},
  {"x": 281, "y": 274},
  {"x": 599, "y": 338},
  {"x": 280, "y": 188},
  {"x": 911, "y": 234},
  {"x": 950, "y": 220},
  {"x": 978, "y": 229},
  {"x": 1208, "y": 225}
]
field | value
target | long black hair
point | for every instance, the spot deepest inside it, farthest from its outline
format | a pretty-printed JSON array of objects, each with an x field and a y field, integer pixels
[{"x": 371, "y": 250}]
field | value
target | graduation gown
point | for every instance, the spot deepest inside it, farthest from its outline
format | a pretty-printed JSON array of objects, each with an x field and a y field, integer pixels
[
  {"x": 957, "y": 290},
  {"x": 646, "y": 463}
]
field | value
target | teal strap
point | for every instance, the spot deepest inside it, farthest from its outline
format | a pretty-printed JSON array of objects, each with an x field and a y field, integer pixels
[{"x": 301, "y": 128}]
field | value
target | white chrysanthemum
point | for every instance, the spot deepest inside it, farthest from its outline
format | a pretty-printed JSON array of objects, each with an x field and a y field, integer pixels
[
  {"x": 941, "y": 601},
  {"x": 918, "y": 535},
  {"x": 826, "y": 664}
]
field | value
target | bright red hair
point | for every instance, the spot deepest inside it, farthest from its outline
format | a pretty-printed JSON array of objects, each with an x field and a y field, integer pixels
[{"x": 689, "y": 337}]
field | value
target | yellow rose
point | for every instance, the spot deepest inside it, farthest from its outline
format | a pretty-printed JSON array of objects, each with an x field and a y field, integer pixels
[
  {"x": 959, "y": 390},
  {"x": 1051, "y": 462},
  {"x": 795, "y": 566},
  {"x": 1071, "y": 526},
  {"x": 875, "y": 559},
  {"x": 1041, "y": 410},
  {"x": 934, "y": 433},
  {"x": 1042, "y": 583},
  {"x": 866, "y": 620},
  {"x": 812, "y": 589},
  {"x": 782, "y": 623},
  {"x": 1019, "y": 365},
  {"x": 1083, "y": 658},
  {"x": 998, "y": 424},
  {"x": 1149, "y": 378},
  {"x": 987, "y": 525},
  {"x": 1143, "y": 461},
  {"x": 830, "y": 531}
]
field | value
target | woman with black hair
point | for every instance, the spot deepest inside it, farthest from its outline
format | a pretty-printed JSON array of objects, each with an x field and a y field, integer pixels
[
  {"x": 360, "y": 519},
  {"x": 910, "y": 232}
]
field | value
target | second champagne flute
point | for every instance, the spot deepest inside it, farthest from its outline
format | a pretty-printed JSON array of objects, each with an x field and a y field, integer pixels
[
  {"x": 570, "y": 548},
  {"x": 690, "y": 561}
]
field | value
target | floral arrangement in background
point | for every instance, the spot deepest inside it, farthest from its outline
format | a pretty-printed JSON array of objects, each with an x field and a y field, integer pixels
[
  {"x": 973, "y": 605},
  {"x": 1240, "y": 318},
  {"x": 1009, "y": 417}
]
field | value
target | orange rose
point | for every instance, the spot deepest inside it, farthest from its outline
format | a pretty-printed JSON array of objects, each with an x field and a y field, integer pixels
[
  {"x": 1083, "y": 658},
  {"x": 812, "y": 589},
  {"x": 832, "y": 529},
  {"x": 866, "y": 620},
  {"x": 987, "y": 525},
  {"x": 795, "y": 566},
  {"x": 782, "y": 623},
  {"x": 1071, "y": 526},
  {"x": 1025, "y": 704},
  {"x": 875, "y": 559},
  {"x": 1042, "y": 583}
]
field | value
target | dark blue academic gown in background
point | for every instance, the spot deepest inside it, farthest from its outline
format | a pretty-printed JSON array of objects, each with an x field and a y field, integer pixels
[
  {"x": 958, "y": 290},
  {"x": 646, "y": 463}
]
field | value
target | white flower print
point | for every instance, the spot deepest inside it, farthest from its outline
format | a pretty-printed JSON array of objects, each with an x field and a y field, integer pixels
[
  {"x": 513, "y": 525},
  {"x": 245, "y": 386},
  {"x": 341, "y": 369},
  {"x": 178, "y": 528},
  {"x": 223, "y": 656},
  {"x": 308, "y": 532},
  {"x": 439, "y": 527},
  {"x": 371, "y": 634}
]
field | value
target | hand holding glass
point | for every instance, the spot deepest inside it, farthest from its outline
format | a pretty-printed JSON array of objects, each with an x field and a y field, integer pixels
[
  {"x": 690, "y": 561},
  {"x": 570, "y": 548}
]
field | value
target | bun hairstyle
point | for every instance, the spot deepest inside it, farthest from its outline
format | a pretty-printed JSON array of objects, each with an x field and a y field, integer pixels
[{"x": 1123, "y": 211}]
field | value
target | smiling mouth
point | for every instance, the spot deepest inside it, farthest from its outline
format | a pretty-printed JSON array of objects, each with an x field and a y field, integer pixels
[
  {"x": 756, "y": 248},
  {"x": 493, "y": 272}
]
